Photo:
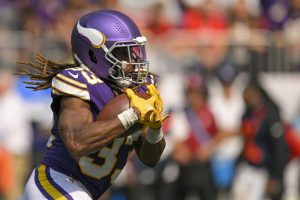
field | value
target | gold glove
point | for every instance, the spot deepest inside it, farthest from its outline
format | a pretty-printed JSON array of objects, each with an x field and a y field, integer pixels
[
  {"x": 156, "y": 118},
  {"x": 151, "y": 90},
  {"x": 145, "y": 106}
]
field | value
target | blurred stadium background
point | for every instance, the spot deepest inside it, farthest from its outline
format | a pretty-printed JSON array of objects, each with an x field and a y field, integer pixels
[{"x": 222, "y": 40}]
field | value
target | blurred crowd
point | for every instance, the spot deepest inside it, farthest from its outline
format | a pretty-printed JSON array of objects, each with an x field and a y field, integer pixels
[{"x": 229, "y": 76}]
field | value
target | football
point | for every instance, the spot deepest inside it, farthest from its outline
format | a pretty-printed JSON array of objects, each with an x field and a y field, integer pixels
[{"x": 116, "y": 106}]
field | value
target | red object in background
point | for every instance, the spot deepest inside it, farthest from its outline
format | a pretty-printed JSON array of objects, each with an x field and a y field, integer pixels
[
  {"x": 166, "y": 125},
  {"x": 160, "y": 28},
  {"x": 208, "y": 122},
  {"x": 250, "y": 127},
  {"x": 293, "y": 141},
  {"x": 194, "y": 20},
  {"x": 6, "y": 171}
]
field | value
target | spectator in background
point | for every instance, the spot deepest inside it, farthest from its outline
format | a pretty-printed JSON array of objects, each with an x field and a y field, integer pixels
[
  {"x": 242, "y": 21},
  {"x": 210, "y": 56},
  {"x": 207, "y": 38},
  {"x": 291, "y": 33},
  {"x": 47, "y": 14},
  {"x": 193, "y": 148},
  {"x": 275, "y": 13},
  {"x": 240, "y": 15},
  {"x": 203, "y": 15},
  {"x": 39, "y": 115},
  {"x": 265, "y": 151},
  {"x": 15, "y": 133},
  {"x": 158, "y": 24},
  {"x": 227, "y": 106}
]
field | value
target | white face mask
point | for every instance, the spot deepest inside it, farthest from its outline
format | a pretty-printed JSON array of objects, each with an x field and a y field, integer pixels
[{"x": 125, "y": 55}]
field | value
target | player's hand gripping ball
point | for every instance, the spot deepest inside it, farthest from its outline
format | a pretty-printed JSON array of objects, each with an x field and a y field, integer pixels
[
  {"x": 116, "y": 106},
  {"x": 156, "y": 118},
  {"x": 144, "y": 106}
]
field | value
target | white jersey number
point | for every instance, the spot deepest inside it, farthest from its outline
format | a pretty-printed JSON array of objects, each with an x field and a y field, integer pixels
[{"x": 88, "y": 167}]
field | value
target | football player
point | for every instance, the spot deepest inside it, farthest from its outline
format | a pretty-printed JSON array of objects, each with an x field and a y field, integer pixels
[{"x": 85, "y": 156}]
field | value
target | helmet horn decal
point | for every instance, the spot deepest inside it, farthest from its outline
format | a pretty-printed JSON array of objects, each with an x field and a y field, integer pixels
[{"x": 96, "y": 37}]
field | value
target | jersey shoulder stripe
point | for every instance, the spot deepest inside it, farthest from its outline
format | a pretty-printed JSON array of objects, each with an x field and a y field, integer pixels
[
  {"x": 75, "y": 69},
  {"x": 70, "y": 82},
  {"x": 75, "y": 83}
]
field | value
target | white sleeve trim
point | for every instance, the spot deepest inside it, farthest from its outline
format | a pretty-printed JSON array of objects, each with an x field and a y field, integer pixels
[{"x": 62, "y": 88}]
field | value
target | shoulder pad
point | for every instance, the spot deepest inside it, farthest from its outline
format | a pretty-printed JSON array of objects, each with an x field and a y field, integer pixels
[{"x": 70, "y": 82}]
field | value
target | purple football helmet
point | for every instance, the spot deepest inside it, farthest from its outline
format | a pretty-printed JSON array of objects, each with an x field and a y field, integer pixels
[{"x": 110, "y": 44}]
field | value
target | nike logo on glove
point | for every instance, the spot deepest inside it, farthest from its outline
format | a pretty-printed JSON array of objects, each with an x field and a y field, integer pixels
[{"x": 73, "y": 75}]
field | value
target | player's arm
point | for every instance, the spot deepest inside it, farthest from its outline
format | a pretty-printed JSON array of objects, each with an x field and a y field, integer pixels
[
  {"x": 80, "y": 134},
  {"x": 279, "y": 157},
  {"x": 150, "y": 146}
]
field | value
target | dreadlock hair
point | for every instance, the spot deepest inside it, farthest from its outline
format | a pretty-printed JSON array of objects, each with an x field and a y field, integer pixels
[{"x": 41, "y": 72}]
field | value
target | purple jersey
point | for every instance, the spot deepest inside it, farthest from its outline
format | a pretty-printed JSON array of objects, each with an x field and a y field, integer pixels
[{"x": 98, "y": 170}]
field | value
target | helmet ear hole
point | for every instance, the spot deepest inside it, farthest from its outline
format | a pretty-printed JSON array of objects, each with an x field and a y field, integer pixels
[{"x": 92, "y": 56}]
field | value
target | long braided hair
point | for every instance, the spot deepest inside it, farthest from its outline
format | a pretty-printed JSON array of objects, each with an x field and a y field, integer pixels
[{"x": 41, "y": 71}]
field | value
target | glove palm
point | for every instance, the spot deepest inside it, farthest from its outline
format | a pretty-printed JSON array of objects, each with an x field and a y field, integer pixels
[
  {"x": 145, "y": 106},
  {"x": 156, "y": 118}
]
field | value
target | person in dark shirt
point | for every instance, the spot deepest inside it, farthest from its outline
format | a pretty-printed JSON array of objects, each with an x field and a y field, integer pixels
[{"x": 265, "y": 152}]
